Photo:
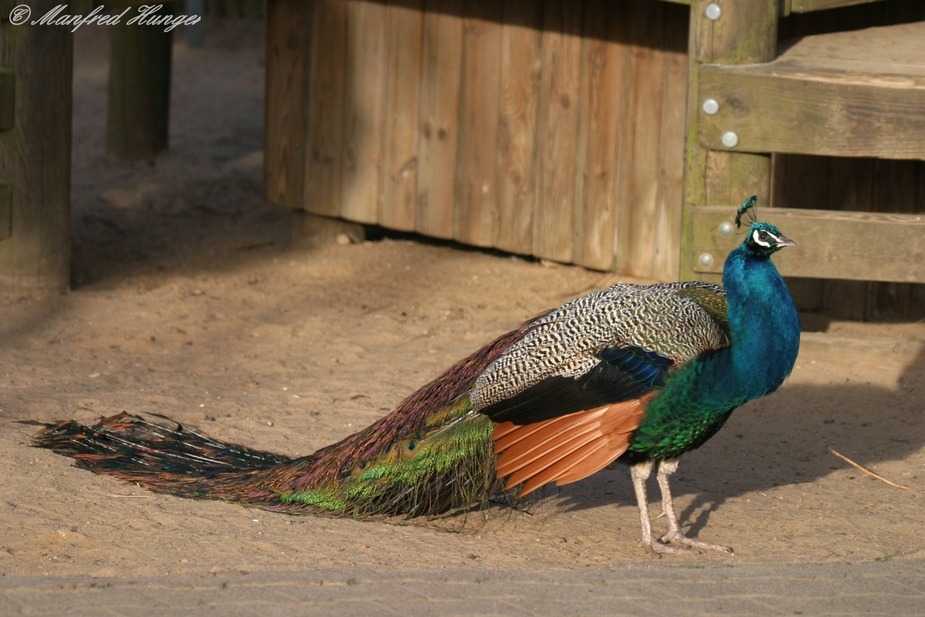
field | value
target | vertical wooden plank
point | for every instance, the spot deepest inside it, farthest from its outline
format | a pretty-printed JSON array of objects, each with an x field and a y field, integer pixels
[
  {"x": 325, "y": 108},
  {"x": 364, "y": 107},
  {"x": 440, "y": 94},
  {"x": 287, "y": 50},
  {"x": 558, "y": 130},
  {"x": 645, "y": 71},
  {"x": 603, "y": 120},
  {"x": 520, "y": 80},
  {"x": 669, "y": 199},
  {"x": 623, "y": 241},
  {"x": 477, "y": 189},
  {"x": 35, "y": 157},
  {"x": 402, "y": 99}
]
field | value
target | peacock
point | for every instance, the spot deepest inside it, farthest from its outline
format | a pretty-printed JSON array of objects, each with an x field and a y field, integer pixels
[{"x": 639, "y": 374}]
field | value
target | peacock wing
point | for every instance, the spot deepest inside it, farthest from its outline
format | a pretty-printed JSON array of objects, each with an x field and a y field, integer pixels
[
  {"x": 619, "y": 374},
  {"x": 568, "y": 396}
]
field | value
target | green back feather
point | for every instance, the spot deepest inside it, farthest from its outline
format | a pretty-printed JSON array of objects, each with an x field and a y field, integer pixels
[{"x": 449, "y": 466}]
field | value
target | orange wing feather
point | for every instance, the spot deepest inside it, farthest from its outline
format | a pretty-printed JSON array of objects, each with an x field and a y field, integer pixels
[{"x": 565, "y": 449}]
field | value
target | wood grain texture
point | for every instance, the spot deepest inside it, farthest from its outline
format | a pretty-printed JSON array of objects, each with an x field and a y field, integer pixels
[
  {"x": 477, "y": 192},
  {"x": 839, "y": 184},
  {"x": 364, "y": 111},
  {"x": 645, "y": 70},
  {"x": 852, "y": 190},
  {"x": 747, "y": 33},
  {"x": 440, "y": 99},
  {"x": 855, "y": 93},
  {"x": 558, "y": 118},
  {"x": 802, "y": 113},
  {"x": 517, "y": 132},
  {"x": 666, "y": 222},
  {"x": 284, "y": 126},
  {"x": 806, "y": 6},
  {"x": 604, "y": 93},
  {"x": 35, "y": 157},
  {"x": 325, "y": 107},
  {"x": 404, "y": 23},
  {"x": 855, "y": 245},
  {"x": 899, "y": 187}
]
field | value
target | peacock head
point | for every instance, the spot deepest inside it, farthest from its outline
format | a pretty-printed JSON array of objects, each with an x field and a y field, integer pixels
[{"x": 763, "y": 239}]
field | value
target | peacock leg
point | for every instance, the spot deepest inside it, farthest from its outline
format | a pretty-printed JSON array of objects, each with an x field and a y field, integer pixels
[
  {"x": 640, "y": 472},
  {"x": 675, "y": 536}
]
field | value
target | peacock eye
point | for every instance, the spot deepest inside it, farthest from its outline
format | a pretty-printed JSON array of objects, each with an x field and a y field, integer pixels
[{"x": 762, "y": 237}]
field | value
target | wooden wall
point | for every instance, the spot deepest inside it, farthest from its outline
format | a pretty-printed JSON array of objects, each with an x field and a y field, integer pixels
[{"x": 552, "y": 129}]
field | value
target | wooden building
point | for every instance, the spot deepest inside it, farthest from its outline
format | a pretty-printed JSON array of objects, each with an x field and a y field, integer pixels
[{"x": 579, "y": 131}]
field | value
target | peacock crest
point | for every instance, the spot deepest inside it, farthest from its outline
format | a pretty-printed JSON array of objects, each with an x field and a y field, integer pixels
[{"x": 763, "y": 239}]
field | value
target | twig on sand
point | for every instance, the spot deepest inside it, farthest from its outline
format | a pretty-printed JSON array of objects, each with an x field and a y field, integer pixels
[{"x": 864, "y": 469}]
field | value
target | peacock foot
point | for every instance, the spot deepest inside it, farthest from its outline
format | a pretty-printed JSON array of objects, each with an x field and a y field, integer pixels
[
  {"x": 659, "y": 548},
  {"x": 681, "y": 543}
]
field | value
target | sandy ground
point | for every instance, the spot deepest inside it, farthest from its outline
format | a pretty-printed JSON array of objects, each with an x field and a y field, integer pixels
[{"x": 191, "y": 300}]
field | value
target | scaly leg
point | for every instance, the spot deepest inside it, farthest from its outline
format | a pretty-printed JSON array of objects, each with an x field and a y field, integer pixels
[
  {"x": 675, "y": 536},
  {"x": 640, "y": 472}
]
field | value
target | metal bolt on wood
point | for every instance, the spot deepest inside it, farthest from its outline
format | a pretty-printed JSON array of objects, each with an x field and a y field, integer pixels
[{"x": 730, "y": 139}]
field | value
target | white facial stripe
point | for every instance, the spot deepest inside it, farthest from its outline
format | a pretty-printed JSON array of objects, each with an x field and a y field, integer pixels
[{"x": 758, "y": 240}]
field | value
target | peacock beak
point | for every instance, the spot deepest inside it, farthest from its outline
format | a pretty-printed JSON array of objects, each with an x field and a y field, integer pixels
[{"x": 783, "y": 241}]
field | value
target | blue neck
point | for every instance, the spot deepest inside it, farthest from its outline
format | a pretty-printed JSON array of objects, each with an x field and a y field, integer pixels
[{"x": 764, "y": 327}]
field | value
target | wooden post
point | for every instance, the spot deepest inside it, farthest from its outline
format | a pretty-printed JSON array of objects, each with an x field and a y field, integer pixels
[
  {"x": 35, "y": 156},
  {"x": 723, "y": 33},
  {"x": 139, "y": 89}
]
